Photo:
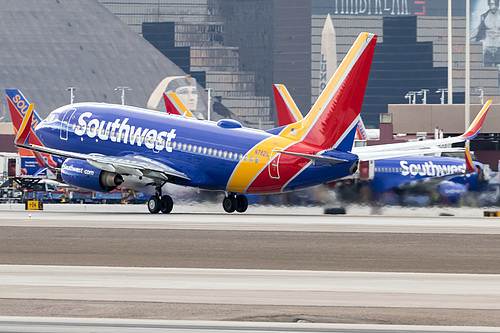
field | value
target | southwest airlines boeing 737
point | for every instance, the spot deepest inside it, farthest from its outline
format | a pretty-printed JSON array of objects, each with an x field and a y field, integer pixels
[{"x": 109, "y": 145}]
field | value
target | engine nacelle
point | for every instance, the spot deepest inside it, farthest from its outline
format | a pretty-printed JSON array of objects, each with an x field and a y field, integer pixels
[{"x": 82, "y": 174}]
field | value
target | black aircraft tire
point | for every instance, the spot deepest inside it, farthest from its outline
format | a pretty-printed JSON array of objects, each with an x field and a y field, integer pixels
[
  {"x": 154, "y": 204},
  {"x": 241, "y": 203},
  {"x": 166, "y": 204},
  {"x": 229, "y": 204}
]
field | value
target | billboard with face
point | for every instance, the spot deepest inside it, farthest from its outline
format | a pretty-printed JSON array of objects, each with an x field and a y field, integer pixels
[{"x": 485, "y": 28}]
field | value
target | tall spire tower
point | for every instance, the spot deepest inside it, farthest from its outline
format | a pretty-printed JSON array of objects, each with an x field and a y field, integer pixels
[{"x": 328, "y": 61}]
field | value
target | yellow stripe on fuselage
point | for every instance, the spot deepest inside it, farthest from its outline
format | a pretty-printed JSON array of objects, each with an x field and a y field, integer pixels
[
  {"x": 298, "y": 130},
  {"x": 246, "y": 171}
]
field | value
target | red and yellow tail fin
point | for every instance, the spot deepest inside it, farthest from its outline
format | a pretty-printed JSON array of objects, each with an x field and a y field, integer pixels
[
  {"x": 22, "y": 137},
  {"x": 332, "y": 121},
  {"x": 287, "y": 110},
  {"x": 174, "y": 105},
  {"x": 468, "y": 161},
  {"x": 361, "y": 130}
]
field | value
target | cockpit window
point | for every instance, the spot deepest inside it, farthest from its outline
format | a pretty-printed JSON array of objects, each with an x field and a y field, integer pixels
[{"x": 50, "y": 118}]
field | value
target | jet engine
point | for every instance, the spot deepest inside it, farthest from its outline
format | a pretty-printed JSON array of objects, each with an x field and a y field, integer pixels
[{"x": 82, "y": 174}]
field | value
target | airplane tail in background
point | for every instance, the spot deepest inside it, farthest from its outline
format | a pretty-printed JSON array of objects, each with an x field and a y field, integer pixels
[
  {"x": 174, "y": 105},
  {"x": 287, "y": 110},
  {"x": 476, "y": 125},
  {"x": 361, "y": 130},
  {"x": 468, "y": 161},
  {"x": 24, "y": 130},
  {"x": 289, "y": 113},
  {"x": 19, "y": 107},
  {"x": 332, "y": 121}
]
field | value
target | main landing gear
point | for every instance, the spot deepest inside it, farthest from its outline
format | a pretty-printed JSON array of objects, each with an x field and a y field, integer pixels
[
  {"x": 160, "y": 203},
  {"x": 233, "y": 202}
]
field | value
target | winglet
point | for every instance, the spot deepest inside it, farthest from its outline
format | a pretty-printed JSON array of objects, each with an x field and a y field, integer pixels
[
  {"x": 474, "y": 128},
  {"x": 174, "y": 105},
  {"x": 40, "y": 160},
  {"x": 468, "y": 161},
  {"x": 25, "y": 128},
  {"x": 49, "y": 164}
]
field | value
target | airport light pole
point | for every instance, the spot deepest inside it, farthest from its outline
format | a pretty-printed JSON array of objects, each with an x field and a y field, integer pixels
[
  {"x": 481, "y": 95},
  {"x": 412, "y": 96},
  {"x": 72, "y": 94},
  {"x": 209, "y": 102},
  {"x": 467, "y": 68},
  {"x": 423, "y": 93},
  {"x": 442, "y": 91},
  {"x": 3, "y": 106},
  {"x": 450, "y": 56},
  {"x": 408, "y": 97},
  {"x": 123, "y": 88}
]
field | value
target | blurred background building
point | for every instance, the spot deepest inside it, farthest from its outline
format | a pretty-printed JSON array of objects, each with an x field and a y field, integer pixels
[
  {"x": 235, "y": 49},
  {"x": 243, "y": 47}
]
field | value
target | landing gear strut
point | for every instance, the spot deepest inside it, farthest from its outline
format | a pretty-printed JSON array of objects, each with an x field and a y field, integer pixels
[
  {"x": 160, "y": 203},
  {"x": 234, "y": 202}
]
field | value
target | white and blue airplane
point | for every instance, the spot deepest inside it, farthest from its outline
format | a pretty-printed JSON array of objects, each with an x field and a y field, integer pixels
[{"x": 108, "y": 145}]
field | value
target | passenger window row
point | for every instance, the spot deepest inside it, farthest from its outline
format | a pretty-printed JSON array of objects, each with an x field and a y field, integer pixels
[
  {"x": 190, "y": 148},
  {"x": 212, "y": 152}
]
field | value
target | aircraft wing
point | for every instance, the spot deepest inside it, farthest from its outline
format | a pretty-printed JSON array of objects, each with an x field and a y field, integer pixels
[
  {"x": 379, "y": 155},
  {"x": 405, "y": 148},
  {"x": 128, "y": 165}
]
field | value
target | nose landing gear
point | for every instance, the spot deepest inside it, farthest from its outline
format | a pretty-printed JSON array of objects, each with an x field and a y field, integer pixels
[{"x": 234, "y": 202}]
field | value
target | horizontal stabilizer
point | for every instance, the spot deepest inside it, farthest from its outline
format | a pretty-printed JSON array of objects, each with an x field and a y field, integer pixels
[{"x": 316, "y": 158}]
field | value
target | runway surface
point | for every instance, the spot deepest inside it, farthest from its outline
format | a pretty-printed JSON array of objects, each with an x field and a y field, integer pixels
[
  {"x": 27, "y": 324},
  {"x": 252, "y": 287},
  {"x": 466, "y": 221},
  {"x": 120, "y": 262}
]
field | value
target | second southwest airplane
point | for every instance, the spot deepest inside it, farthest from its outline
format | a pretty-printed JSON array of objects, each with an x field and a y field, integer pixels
[
  {"x": 392, "y": 172},
  {"x": 109, "y": 145}
]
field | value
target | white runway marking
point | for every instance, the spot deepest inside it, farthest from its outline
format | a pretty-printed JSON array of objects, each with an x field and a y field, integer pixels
[{"x": 258, "y": 287}]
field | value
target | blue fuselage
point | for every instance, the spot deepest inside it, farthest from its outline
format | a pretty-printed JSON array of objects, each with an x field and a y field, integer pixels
[
  {"x": 393, "y": 172},
  {"x": 206, "y": 152}
]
